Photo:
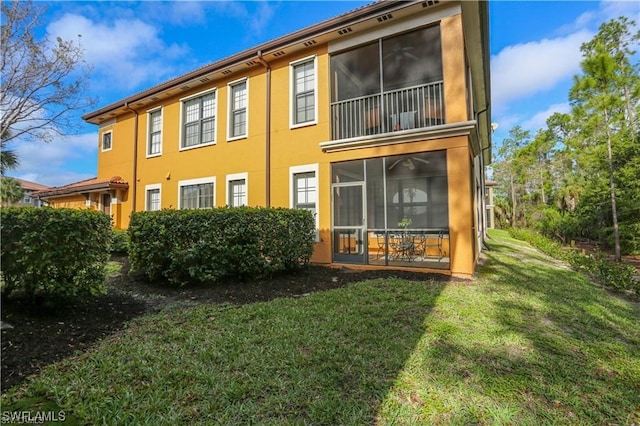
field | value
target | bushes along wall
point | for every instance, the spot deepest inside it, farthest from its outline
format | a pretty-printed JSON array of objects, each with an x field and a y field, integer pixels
[
  {"x": 207, "y": 246},
  {"x": 52, "y": 253}
]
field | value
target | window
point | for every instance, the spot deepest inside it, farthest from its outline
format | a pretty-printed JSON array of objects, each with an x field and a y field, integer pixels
[
  {"x": 238, "y": 100},
  {"x": 106, "y": 141},
  {"x": 199, "y": 120},
  {"x": 27, "y": 199},
  {"x": 197, "y": 193},
  {"x": 303, "y": 84},
  {"x": 152, "y": 201},
  {"x": 303, "y": 190},
  {"x": 237, "y": 190},
  {"x": 154, "y": 137}
]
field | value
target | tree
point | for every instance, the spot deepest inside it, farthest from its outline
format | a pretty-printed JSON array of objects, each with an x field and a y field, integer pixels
[
  {"x": 8, "y": 158},
  {"x": 43, "y": 81},
  {"x": 604, "y": 103},
  {"x": 508, "y": 169},
  {"x": 10, "y": 191}
]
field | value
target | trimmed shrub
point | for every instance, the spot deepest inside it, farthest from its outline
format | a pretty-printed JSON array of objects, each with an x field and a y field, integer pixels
[
  {"x": 49, "y": 254},
  {"x": 119, "y": 242},
  {"x": 207, "y": 246}
]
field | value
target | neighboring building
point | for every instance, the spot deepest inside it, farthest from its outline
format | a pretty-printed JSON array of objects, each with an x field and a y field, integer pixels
[
  {"x": 29, "y": 200},
  {"x": 490, "y": 207},
  {"x": 378, "y": 121},
  {"x": 94, "y": 193}
]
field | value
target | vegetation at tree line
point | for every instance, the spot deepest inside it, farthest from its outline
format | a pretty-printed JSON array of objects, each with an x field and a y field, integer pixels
[{"x": 580, "y": 176}]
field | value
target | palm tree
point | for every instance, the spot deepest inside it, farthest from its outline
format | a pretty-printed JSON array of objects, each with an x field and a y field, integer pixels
[
  {"x": 10, "y": 191},
  {"x": 8, "y": 157}
]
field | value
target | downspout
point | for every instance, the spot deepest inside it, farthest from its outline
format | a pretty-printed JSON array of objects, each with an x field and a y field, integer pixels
[
  {"x": 268, "y": 132},
  {"x": 134, "y": 183}
]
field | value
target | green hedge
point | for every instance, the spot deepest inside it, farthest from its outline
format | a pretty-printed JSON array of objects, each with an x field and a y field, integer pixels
[
  {"x": 207, "y": 246},
  {"x": 53, "y": 253},
  {"x": 119, "y": 242},
  {"x": 620, "y": 276}
]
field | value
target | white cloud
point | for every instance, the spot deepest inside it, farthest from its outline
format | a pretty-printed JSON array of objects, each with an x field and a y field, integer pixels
[
  {"x": 125, "y": 52},
  {"x": 49, "y": 163},
  {"x": 539, "y": 120},
  {"x": 615, "y": 9},
  {"x": 261, "y": 18},
  {"x": 525, "y": 69}
]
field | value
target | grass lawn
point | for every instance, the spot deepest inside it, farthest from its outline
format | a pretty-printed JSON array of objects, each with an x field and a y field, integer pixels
[{"x": 526, "y": 342}]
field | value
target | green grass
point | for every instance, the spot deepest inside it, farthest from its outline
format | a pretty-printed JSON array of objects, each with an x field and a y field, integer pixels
[{"x": 527, "y": 342}]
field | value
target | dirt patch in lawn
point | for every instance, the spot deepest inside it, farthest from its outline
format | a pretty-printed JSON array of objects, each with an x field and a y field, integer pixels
[{"x": 40, "y": 337}]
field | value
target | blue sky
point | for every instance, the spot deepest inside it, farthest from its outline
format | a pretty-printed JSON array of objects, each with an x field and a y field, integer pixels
[{"x": 135, "y": 45}]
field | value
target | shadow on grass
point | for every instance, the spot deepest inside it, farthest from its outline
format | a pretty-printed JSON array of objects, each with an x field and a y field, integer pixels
[
  {"x": 326, "y": 358},
  {"x": 527, "y": 342},
  {"x": 584, "y": 358}
]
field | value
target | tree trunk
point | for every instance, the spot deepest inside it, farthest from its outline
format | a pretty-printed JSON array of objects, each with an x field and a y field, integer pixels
[
  {"x": 612, "y": 187},
  {"x": 513, "y": 203}
]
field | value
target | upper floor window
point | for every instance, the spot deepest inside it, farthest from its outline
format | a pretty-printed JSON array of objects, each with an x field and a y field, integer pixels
[
  {"x": 154, "y": 137},
  {"x": 106, "y": 141},
  {"x": 303, "y": 84},
  {"x": 197, "y": 193},
  {"x": 238, "y": 101},
  {"x": 199, "y": 120}
]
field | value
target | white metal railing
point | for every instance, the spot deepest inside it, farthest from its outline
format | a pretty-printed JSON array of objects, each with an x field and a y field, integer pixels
[{"x": 407, "y": 108}]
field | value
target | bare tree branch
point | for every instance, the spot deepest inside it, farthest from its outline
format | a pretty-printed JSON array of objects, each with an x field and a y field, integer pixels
[{"x": 43, "y": 81}]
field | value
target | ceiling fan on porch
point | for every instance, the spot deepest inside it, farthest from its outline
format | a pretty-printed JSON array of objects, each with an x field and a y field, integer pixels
[
  {"x": 408, "y": 162},
  {"x": 399, "y": 53}
]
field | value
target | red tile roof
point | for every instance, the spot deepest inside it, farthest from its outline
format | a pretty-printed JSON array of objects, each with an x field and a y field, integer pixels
[
  {"x": 87, "y": 185},
  {"x": 30, "y": 186}
]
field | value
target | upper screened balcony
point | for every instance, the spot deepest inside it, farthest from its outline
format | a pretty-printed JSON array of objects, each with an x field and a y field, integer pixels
[{"x": 391, "y": 84}]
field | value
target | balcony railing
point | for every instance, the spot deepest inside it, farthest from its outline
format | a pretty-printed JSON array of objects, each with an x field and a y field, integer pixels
[{"x": 409, "y": 108}]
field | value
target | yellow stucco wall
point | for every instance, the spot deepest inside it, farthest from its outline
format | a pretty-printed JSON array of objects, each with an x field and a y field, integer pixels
[
  {"x": 289, "y": 147},
  {"x": 75, "y": 201}
]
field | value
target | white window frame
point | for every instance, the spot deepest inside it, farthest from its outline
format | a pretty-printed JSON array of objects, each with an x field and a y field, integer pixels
[
  {"x": 151, "y": 111},
  {"x": 102, "y": 135},
  {"x": 292, "y": 92},
  {"x": 182, "y": 118},
  {"x": 152, "y": 187},
  {"x": 210, "y": 179},
  {"x": 306, "y": 168},
  {"x": 238, "y": 176},
  {"x": 230, "y": 123}
]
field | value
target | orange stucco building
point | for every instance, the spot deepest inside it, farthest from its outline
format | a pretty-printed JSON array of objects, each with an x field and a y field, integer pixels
[{"x": 377, "y": 120}]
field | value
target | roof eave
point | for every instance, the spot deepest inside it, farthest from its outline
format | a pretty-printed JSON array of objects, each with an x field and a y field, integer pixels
[{"x": 95, "y": 187}]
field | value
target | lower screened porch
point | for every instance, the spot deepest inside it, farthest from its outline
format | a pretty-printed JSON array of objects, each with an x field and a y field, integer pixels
[{"x": 391, "y": 211}]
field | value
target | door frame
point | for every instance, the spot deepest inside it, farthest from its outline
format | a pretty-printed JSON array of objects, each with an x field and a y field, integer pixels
[{"x": 362, "y": 244}]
